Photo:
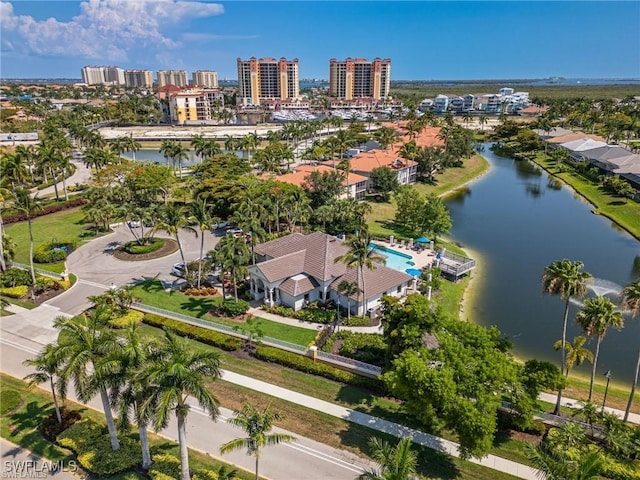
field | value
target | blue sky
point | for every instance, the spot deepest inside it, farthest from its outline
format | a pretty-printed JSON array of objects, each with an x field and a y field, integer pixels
[{"x": 426, "y": 40}]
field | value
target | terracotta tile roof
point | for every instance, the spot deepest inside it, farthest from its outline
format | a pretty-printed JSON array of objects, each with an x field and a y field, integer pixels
[
  {"x": 298, "y": 285},
  {"x": 574, "y": 136},
  {"x": 367, "y": 161},
  {"x": 297, "y": 177}
]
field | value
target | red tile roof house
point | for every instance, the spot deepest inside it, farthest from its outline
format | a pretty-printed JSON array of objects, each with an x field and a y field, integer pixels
[{"x": 300, "y": 269}]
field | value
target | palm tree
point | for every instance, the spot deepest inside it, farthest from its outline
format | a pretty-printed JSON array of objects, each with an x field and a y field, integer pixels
[
  {"x": 5, "y": 195},
  {"x": 232, "y": 253},
  {"x": 174, "y": 373},
  {"x": 395, "y": 463},
  {"x": 566, "y": 279},
  {"x": 82, "y": 343},
  {"x": 596, "y": 317},
  {"x": 47, "y": 366},
  {"x": 257, "y": 426},
  {"x": 631, "y": 302},
  {"x": 249, "y": 144},
  {"x": 361, "y": 255},
  {"x": 576, "y": 353},
  {"x": 555, "y": 466},
  {"x": 25, "y": 203},
  {"x": 172, "y": 221},
  {"x": 347, "y": 289},
  {"x": 131, "y": 145},
  {"x": 201, "y": 216}
]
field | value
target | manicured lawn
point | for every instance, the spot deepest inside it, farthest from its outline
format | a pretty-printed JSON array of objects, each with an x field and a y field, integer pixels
[
  {"x": 22, "y": 428},
  {"x": 151, "y": 293},
  {"x": 63, "y": 225}
]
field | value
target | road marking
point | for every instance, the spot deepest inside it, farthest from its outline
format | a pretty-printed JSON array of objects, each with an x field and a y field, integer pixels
[
  {"x": 324, "y": 457},
  {"x": 19, "y": 346},
  {"x": 93, "y": 284}
]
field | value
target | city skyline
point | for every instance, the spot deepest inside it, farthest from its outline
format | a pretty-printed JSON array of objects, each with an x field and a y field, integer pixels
[{"x": 425, "y": 40}]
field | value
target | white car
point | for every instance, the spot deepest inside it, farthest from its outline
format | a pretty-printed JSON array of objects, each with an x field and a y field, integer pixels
[
  {"x": 219, "y": 225},
  {"x": 178, "y": 270},
  {"x": 133, "y": 224}
]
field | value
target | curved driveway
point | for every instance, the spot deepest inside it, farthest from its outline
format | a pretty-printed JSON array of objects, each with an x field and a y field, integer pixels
[{"x": 97, "y": 269}]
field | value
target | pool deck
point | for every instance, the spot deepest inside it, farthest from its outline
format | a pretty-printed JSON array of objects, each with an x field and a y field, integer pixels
[{"x": 420, "y": 258}]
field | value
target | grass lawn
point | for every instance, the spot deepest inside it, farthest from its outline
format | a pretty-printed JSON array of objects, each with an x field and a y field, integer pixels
[
  {"x": 22, "y": 428},
  {"x": 380, "y": 220},
  {"x": 623, "y": 211},
  {"x": 64, "y": 225},
  {"x": 151, "y": 293}
]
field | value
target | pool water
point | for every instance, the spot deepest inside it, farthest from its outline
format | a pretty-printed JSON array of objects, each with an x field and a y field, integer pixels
[{"x": 395, "y": 259}]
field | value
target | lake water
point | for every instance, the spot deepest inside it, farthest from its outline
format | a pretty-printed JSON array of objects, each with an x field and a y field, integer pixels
[
  {"x": 519, "y": 220},
  {"x": 150, "y": 155}
]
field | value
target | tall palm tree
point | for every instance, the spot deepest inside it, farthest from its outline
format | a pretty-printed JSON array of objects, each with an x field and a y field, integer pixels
[
  {"x": 361, "y": 255},
  {"x": 394, "y": 463},
  {"x": 25, "y": 203},
  {"x": 172, "y": 221},
  {"x": 201, "y": 216},
  {"x": 576, "y": 353},
  {"x": 631, "y": 302},
  {"x": 131, "y": 145},
  {"x": 257, "y": 426},
  {"x": 566, "y": 279},
  {"x": 249, "y": 144},
  {"x": 347, "y": 289},
  {"x": 83, "y": 342},
  {"x": 5, "y": 195},
  {"x": 47, "y": 367},
  {"x": 596, "y": 317},
  {"x": 174, "y": 373},
  {"x": 232, "y": 253}
]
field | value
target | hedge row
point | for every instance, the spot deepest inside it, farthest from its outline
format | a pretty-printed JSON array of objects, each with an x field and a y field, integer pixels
[
  {"x": 54, "y": 251},
  {"x": 91, "y": 443},
  {"x": 134, "y": 248},
  {"x": 15, "y": 292},
  {"x": 56, "y": 207},
  {"x": 167, "y": 467},
  {"x": 204, "y": 335},
  {"x": 129, "y": 318},
  {"x": 307, "y": 365}
]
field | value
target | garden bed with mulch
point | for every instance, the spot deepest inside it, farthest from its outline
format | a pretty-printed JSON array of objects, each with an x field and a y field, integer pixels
[{"x": 170, "y": 246}]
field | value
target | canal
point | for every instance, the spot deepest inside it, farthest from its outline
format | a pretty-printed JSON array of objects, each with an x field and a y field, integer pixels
[{"x": 519, "y": 220}]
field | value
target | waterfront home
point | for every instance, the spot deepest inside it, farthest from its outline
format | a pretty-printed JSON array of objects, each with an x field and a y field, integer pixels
[
  {"x": 365, "y": 162},
  {"x": 299, "y": 269},
  {"x": 355, "y": 186}
]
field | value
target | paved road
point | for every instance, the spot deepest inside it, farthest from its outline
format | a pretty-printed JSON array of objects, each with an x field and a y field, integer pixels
[
  {"x": 20, "y": 463},
  {"x": 97, "y": 269}
]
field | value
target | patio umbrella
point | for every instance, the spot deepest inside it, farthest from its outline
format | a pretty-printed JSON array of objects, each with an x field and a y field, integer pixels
[
  {"x": 413, "y": 271},
  {"x": 422, "y": 240}
]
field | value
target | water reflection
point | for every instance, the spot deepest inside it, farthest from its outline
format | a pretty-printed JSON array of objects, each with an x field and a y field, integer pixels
[
  {"x": 553, "y": 184},
  {"x": 526, "y": 169},
  {"x": 459, "y": 195},
  {"x": 533, "y": 189}
]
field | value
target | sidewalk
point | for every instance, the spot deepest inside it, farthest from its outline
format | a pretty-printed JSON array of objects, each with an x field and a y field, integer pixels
[
  {"x": 257, "y": 312},
  {"x": 18, "y": 462}
]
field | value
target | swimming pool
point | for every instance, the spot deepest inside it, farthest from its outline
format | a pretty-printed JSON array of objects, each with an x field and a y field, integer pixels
[{"x": 395, "y": 259}]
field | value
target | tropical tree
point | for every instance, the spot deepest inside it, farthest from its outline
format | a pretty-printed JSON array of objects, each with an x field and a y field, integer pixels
[
  {"x": 553, "y": 465},
  {"x": 173, "y": 220},
  {"x": 201, "y": 216},
  {"x": 347, "y": 289},
  {"x": 565, "y": 279},
  {"x": 257, "y": 426},
  {"x": 28, "y": 205},
  {"x": 47, "y": 367},
  {"x": 174, "y": 373},
  {"x": 631, "y": 302},
  {"x": 596, "y": 317},
  {"x": 232, "y": 253},
  {"x": 576, "y": 353},
  {"x": 360, "y": 255},
  {"x": 394, "y": 463},
  {"x": 83, "y": 342}
]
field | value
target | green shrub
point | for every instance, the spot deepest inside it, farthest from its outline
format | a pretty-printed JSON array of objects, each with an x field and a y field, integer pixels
[
  {"x": 92, "y": 445},
  {"x": 231, "y": 308},
  {"x": 307, "y": 365},
  {"x": 204, "y": 335},
  {"x": 53, "y": 251},
  {"x": 621, "y": 470},
  {"x": 167, "y": 467},
  {"x": 356, "y": 321},
  {"x": 151, "y": 245},
  {"x": 50, "y": 427},
  {"x": 201, "y": 292},
  {"x": 129, "y": 318},
  {"x": 14, "y": 277},
  {"x": 15, "y": 292},
  {"x": 9, "y": 401},
  {"x": 364, "y": 347},
  {"x": 312, "y": 313}
]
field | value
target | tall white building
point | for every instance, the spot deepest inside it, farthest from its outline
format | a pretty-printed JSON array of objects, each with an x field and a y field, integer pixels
[
  {"x": 173, "y": 77},
  {"x": 267, "y": 79},
  {"x": 94, "y": 75},
  {"x": 138, "y": 78},
  {"x": 205, "y": 78}
]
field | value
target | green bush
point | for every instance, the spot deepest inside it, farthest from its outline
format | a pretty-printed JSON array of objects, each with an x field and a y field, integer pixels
[
  {"x": 312, "y": 313},
  {"x": 54, "y": 251},
  {"x": 167, "y": 467},
  {"x": 91, "y": 443},
  {"x": 364, "y": 347},
  {"x": 152, "y": 245},
  {"x": 129, "y": 318},
  {"x": 204, "y": 335},
  {"x": 231, "y": 308},
  {"x": 357, "y": 321},
  {"x": 9, "y": 401},
  {"x": 14, "y": 277},
  {"x": 307, "y": 365},
  {"x": 15, "y": 292}
]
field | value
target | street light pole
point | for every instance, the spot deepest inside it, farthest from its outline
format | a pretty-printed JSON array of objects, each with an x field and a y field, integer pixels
[{"x": 606, "y": 389}]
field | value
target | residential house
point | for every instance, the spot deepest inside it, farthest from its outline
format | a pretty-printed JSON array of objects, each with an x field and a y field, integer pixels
[
  {"x": 355, "y": 185},
  {"x": 299, "y": 269},
  {"x": 608, "y": 157},
  {"x": 441, "y": 104},
  {"x": 365, "y": 162}
]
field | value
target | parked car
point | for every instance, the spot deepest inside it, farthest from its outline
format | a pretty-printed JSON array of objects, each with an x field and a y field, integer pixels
[
  {"x": 235, "y": 231},
  {"x": 149, "y": 223},
  {"x": 219, "y": 225},
  {"x": 178, "y": 270},
  {"x": 133, "y": 223}
]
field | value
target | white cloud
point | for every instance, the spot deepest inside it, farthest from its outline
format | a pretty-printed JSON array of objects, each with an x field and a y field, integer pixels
[{"x": 105, "y": 29}]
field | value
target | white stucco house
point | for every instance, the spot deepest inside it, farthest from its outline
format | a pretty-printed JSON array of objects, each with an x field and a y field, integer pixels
[{"x": 299, "y": 269}]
